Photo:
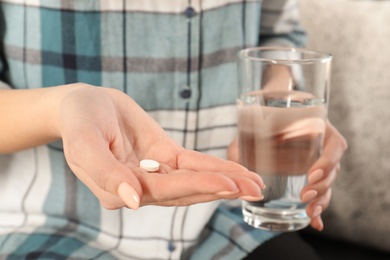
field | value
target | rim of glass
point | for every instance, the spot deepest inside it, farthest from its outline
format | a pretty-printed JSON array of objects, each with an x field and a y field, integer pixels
[{"x": 318, "y": 56}]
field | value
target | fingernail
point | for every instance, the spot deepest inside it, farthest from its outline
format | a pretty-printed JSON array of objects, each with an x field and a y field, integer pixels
[
  {"x": 128, "y": 195},
  {"x": 315, "y": 176},
  {"x": 317, "y": 211},
  {"x": 320, "y": 225},
  {"x": 309, "y": 195},
  {"x": 226, "y": 193},
  {"x": 252, "y": 198}
]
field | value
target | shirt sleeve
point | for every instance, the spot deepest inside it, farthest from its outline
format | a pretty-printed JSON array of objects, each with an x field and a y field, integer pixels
[{"x": 280, "y": 24}]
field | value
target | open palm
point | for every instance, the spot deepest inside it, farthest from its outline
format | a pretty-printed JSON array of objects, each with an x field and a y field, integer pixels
[{"x": 106, "y": 134}]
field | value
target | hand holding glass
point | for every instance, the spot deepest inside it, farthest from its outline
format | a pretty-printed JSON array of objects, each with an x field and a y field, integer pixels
[{"x": 282, "y": 110}]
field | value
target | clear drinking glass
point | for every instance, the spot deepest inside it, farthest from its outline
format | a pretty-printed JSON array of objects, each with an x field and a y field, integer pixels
[{"x": 282, "y": 111}]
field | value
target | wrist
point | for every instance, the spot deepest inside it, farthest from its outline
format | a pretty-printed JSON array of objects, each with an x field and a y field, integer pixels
[
  {"x": 31, "y": 117},
  {"x": 53, "y": 100}
]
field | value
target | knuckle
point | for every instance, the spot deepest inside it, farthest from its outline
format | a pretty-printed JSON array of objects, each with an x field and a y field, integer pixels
[
  {"x": 344, "y": 143},
  {"x": 337, "y": 169},
  {"x": 104, "y": 182},
  {"x": 82, "y": 84},
  {"x": 111, "y": 205},
  {"x": 327, "y": 184},
  {"x": 324, "y": 203}
]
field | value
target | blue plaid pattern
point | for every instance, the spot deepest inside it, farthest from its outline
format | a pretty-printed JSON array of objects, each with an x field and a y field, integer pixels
[{"x": 177, "y": 60}]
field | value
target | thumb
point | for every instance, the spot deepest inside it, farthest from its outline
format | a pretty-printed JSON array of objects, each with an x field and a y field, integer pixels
[
  {"x": 120, "y": 180},
  {"x": 107, "y": 177}
]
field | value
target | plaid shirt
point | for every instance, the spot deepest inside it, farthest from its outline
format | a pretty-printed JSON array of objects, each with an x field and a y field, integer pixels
[{"x": 176, "y": 58}]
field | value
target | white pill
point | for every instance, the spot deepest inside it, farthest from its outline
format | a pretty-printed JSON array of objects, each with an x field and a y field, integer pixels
[{"x": 149, "y": 165}]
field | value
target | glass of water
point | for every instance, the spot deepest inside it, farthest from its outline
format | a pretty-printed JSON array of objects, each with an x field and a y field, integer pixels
[{"x": 282, "y": 111}]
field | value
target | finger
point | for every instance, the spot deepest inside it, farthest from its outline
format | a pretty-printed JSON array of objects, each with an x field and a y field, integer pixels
[
  {"x": 317, "y": 223},
  {"x": 185, "y": 183},
  {"x": 319, "y": 205},
  {"x": 189, "y": 159},
  {"x": 315, "y": 209},
  {"x": 319, "y": 188},
  {"x": 334, "y": 148},
  {"x": 309, "y": 126},
  {"x": 192, "y": 160},
  {"x": 194, "y": 199},
  {"x": 186, "y": 201},
  {"x": 323, "y": 173}
]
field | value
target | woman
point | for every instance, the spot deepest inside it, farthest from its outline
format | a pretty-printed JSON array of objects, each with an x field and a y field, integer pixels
[{"x": 176, "y": 60}]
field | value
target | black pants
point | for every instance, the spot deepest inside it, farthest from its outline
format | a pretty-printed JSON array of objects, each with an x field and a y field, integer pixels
[{"x": 287, "y": 246}]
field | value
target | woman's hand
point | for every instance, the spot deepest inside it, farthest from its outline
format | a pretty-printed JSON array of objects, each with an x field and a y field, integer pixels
[
  {"x": 321, "y": 175},
  {"x": 106, "y": 134}
]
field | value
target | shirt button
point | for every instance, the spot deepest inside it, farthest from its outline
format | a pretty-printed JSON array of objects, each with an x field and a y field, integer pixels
[
  {"x": 185, "y": 93},
  {"x": 190, "y": 12},
  {"x": 171, "y": 246}
]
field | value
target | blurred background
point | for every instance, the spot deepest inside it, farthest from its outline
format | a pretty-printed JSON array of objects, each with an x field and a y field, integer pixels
[{"x": 357, "y": 34}]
